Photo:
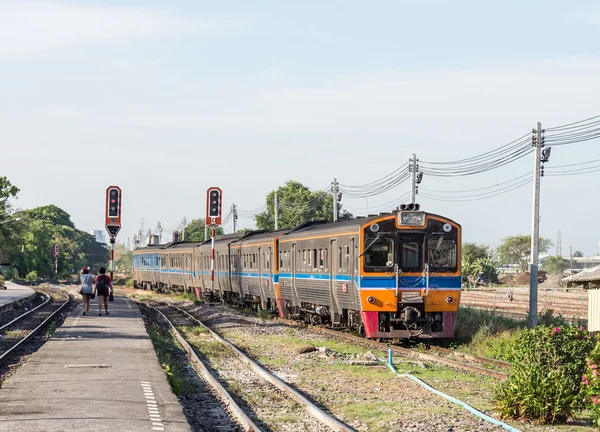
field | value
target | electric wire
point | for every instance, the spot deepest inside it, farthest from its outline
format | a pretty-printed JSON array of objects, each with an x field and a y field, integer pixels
[
  {"x": 477, "y": 189},
  {"x": 456, "y": 199}
]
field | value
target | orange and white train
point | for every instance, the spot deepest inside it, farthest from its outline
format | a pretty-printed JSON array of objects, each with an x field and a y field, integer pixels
[{"x": 391, "y": 276}]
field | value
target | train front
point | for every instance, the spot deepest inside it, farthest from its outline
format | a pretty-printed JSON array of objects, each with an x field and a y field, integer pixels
[{"x": 410, "y": 275}]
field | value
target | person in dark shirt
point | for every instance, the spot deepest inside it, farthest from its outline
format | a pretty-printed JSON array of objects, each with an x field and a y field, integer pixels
[{"x": 103, "y": 289}]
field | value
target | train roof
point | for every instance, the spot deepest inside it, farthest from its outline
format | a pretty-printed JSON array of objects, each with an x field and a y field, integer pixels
[{"x": 260, "y": 235}]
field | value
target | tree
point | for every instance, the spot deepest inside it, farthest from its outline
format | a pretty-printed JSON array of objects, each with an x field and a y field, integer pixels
[
  {"x": 49, "y": 225},
  {"x": 473, "y": 251},
  {"x": 9, "y": 232},
  {"x": 555, "y": 264},
  {"x": 194, "y": 231},
  {"x": 487, "y": 268},
  {"x": 297, "y": 204},
  {"x": 123, "y": 259},
  {"x": 517, "y": 250},
  {"x": 578, "y": 254}
]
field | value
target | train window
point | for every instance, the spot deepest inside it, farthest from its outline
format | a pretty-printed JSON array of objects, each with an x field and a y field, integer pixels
[
  {"x": 379, "y": 253},
  {"x": 410, "y": 256},
  {"x": 314, "y": 258}
]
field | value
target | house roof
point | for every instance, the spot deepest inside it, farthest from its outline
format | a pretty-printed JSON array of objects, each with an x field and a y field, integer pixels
[{"x": 588, "y": 275}]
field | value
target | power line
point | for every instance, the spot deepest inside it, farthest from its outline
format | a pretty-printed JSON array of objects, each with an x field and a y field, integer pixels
[
  {"x": 491, "y": 195},
  {"x": 477, "y": 189}
]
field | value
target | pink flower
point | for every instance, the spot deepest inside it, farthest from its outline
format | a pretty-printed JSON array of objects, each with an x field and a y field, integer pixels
[
  {"x": 556, "y": 331},
  {"x": 595, "y": 400},
  {"x": 581, "y": 328},
  {"x": 594, "y": 373},
  {"x": 594, "y": 366}
]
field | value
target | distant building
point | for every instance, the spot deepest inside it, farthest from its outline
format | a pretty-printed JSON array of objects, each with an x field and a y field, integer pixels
[{"x": 98, "y": 235}]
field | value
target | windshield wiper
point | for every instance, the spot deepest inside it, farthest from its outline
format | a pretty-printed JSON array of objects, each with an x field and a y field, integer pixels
[{"x": 368, "y": 247}]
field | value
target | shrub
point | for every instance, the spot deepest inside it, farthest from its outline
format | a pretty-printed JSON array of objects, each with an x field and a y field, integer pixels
[
  {"x": 544, "y": 384},
  {"x": 590, "y": 385},
  {"x": 31, "y": 276},
  {"x": 129, "y": 282},
  {"x": 1, "y": 280},
  {"x": 9, "y": 274}
]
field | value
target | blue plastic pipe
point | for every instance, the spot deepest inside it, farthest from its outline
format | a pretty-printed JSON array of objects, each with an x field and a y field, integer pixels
[{"x": 448, "y": 397}]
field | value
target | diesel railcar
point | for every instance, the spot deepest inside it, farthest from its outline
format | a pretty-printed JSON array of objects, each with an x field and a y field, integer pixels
[{"x": 392, "y": 276}]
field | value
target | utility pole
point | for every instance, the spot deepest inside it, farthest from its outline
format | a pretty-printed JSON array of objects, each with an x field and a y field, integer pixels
[
  {"x": 276, "y": 213},
  {"x": 559, "y": 244},
  {"x": 537, "y": 143},
  {"x": 183, "y": 229},
  {"x": 337, "y": 197},
  {"x": 234, "y": 215},
  {"x": 415, "y": 178}
]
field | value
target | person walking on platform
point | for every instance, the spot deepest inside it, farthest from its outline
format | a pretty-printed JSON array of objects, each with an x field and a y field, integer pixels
[
  {"x": 103, "y": 289},
  {"x": 87, "y": 289}
]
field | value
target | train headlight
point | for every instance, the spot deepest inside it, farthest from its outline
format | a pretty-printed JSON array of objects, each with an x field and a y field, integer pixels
[
  {"x": 449, "y": 299},
  {"x": 371, "y": 299},
  {"x": 412, "y": 218}
]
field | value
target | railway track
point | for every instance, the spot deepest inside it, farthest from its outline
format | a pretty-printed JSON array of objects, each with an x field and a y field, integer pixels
[
  {"x": 21, "y": 329},
  {"x": 442, "y": 358},
  {"x": 240, "y": 370},
  {"x": 213, "y": 395}
]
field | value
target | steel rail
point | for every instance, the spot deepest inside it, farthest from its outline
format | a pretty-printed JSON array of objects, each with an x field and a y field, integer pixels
[
  {"x": 234, "y": 408},
  {"x": 6, "y": 354},
  {"x": 486, "y": 360},
  {"x": 315, "y": 411},
  {"x": 404, "y": 351},
  {"x": 20, "y": 317}
]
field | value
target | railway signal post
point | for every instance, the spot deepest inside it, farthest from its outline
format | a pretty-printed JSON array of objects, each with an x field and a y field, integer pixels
[
  {"x": 56, "y": 252},
  {"x": 213, "y": 214},
  {"x": 113, "y": 223}
]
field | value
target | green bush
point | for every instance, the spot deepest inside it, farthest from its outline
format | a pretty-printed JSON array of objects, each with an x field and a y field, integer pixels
[
  {"x": 590, "y": 385},
  {"x": 545, "y": 381},
  {"x": 31, "y": 276},
  {"x": 9, "y": 274},
  {"x": 1, "y": 280},
  {"x": 129, "y": 282}
]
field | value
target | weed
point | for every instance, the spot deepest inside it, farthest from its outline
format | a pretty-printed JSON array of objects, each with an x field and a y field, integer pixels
[
  {"x": 185, "y": 296},
  {"x": 166, "y": 350},
  {"x": 51, "y": 329}
]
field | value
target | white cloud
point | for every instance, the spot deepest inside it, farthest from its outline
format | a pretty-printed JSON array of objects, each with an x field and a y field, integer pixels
[
  {"x": 428, "y": 104},
  {"x": 28, "y": 28}
]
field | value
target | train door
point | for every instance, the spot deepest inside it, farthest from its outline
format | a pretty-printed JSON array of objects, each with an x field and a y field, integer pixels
[
  {"x": 262, "y": 281},
  {"x": 333, "y": 263},
  {"x": 295, "y": 282},
  {"x": 269, "y": 285}
]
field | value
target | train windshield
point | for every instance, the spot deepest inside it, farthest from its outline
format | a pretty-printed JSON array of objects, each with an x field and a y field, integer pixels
[
  {"x": 442, "y": 255},
  {"x": 379, "y": 254}
]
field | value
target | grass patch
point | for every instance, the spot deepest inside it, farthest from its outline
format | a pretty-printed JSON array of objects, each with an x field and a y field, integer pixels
[
  {"x": 13, "y": 334},
  {"x": 200, "y": 339},
  {"x": 165, "y": 347},
  {"x": 185, "y": 297}
]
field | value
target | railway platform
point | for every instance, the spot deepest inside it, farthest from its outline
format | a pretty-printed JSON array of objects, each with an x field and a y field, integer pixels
[
  {"x": 96, "y": 373},
  {"x": 13, "y": 294}
]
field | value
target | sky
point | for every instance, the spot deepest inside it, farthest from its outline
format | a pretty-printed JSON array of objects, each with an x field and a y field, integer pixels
[{"x": 165, "y": 99}]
